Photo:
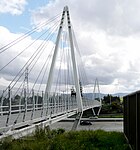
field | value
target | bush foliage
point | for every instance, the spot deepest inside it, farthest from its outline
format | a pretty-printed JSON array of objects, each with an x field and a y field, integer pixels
[{"x": 44, "y": 139}]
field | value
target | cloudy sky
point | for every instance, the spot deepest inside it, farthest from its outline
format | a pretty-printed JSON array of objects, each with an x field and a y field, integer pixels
[{"x": 107, "y": 31}]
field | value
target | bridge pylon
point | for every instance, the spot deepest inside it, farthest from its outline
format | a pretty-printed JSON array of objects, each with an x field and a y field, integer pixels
[
  {"x": 97, "y": 96},
  {"x": 65, "y": 16}
]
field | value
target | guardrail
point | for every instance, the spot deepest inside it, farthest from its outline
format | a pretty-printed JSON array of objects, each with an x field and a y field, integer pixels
[{"x": 36, "y": 109}]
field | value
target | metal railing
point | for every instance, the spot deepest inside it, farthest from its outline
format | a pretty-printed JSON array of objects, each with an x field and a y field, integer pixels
[{"x": 16, "y": 111}]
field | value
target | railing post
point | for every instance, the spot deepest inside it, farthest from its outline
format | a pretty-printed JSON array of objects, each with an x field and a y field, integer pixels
[
  {"x": 9, "y": 111},
  {"x": 1, "y": 105},
  {"x": 37, "y": 104},
  {"x": 33, "y": 106},
  {"x": 25, "y": 105},
  {"x": 42, "y": 104}
]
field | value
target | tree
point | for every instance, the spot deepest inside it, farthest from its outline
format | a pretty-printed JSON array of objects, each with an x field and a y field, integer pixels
[{"x": 111, "y": 104}]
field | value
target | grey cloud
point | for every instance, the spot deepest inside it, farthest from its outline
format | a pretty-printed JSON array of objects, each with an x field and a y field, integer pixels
[
  {"x": 116, "y": 20},
  {"x": 116, "y": 17}
]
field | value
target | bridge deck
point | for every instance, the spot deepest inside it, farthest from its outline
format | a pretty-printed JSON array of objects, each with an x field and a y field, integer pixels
[{"x": 45, "y": 116}]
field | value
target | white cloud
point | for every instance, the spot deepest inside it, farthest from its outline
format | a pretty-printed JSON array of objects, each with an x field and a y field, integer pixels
[
  {"x": 10, "y": 71},
  {"x": 115, "y": 17},
  {"x": 14, "y": 7},
  {"x": 108, "y": 34}
]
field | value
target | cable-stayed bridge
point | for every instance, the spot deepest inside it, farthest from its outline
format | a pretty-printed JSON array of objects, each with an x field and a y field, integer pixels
[{"x": 47, "y": 82}]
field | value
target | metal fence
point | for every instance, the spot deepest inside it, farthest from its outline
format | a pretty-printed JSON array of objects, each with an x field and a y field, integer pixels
[
  {"x": 21, "y": 111},
  {"x": 132, "y": 119}
]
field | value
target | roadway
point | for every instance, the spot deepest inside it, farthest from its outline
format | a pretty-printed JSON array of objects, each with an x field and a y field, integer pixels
[{"x": 107, "y": 124}]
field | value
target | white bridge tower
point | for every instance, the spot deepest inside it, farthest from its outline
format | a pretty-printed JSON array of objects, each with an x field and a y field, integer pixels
[{"x": 65, "y": 15}]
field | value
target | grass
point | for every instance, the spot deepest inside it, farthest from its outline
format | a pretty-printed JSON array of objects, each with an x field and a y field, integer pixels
[
  {"x": 111, "y": 116},
  {"x": 44, "y": 139}
]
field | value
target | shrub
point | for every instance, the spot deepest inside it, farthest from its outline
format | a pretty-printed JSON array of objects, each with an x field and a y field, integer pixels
[{"x": 44, "y": 139}]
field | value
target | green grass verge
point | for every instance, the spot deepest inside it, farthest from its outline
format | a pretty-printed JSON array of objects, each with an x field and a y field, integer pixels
[
  {"x": 73, "y": 140},
  {"x": 111, "y": 116}
]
